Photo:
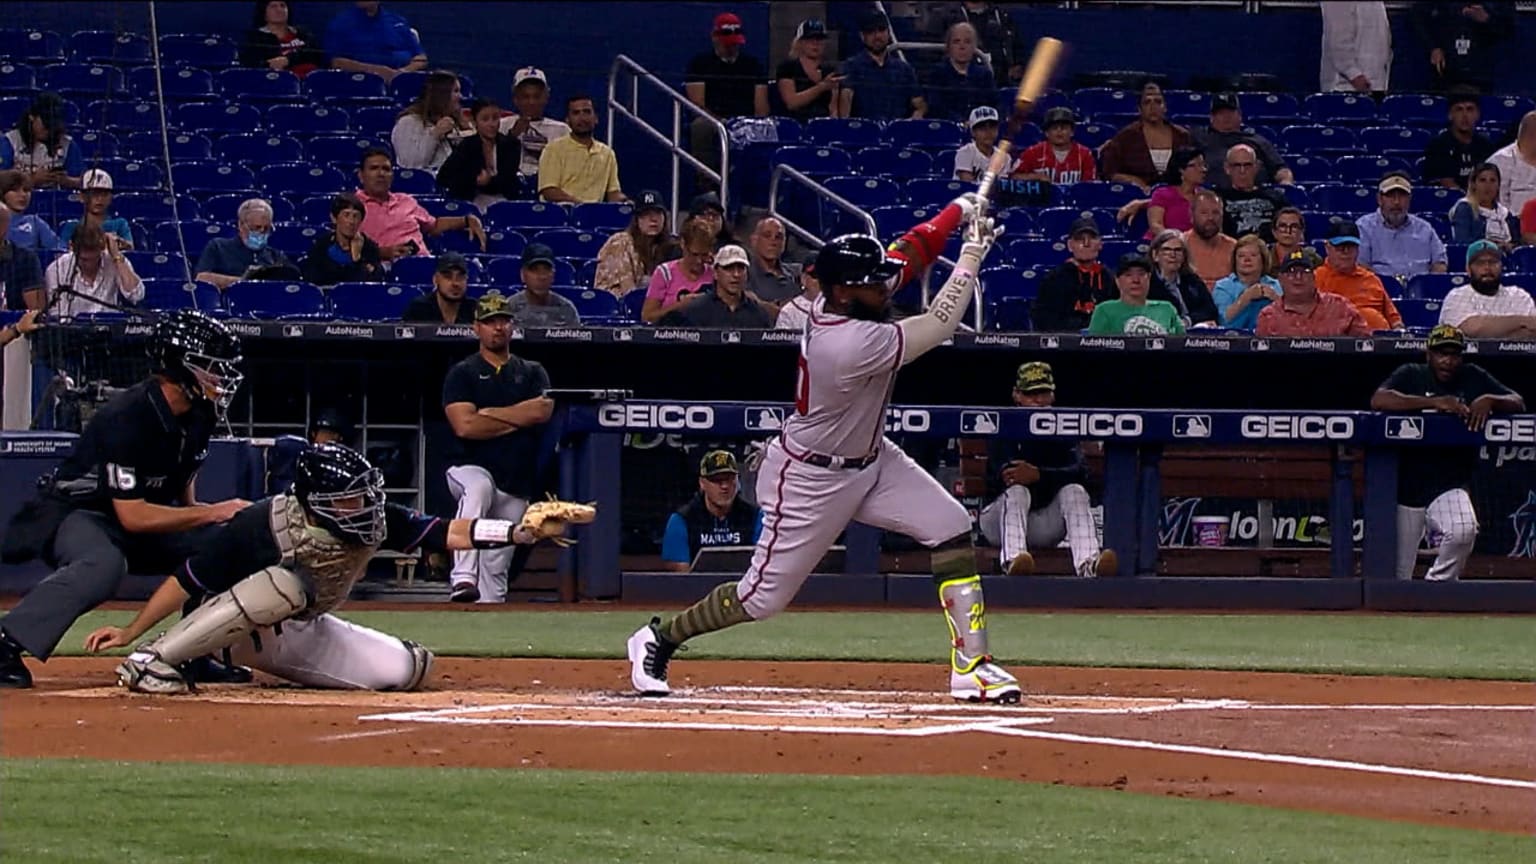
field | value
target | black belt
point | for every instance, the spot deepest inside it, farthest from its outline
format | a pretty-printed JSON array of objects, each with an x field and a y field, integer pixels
[{"x": 822, "y": 460}]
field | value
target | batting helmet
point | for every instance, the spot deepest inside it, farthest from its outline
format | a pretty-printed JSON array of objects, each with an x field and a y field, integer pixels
[
  {"x": 198, "y": 353},
  {"x": 333, "y": 420},
  {"x": 326, "y": 477},
  {"x": 855, "y": 259}
]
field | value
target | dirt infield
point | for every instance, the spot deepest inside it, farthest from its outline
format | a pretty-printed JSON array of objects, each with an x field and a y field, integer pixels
[{"x": 1443, "y": 752}]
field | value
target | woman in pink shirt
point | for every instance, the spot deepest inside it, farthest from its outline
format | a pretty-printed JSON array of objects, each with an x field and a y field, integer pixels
[
  {"x": 1169, "y": 206},
  {"x": 675, "y": 284}
]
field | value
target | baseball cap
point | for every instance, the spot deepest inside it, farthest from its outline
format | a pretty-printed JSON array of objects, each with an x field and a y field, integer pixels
[
  {"x": 1132, "y": 260},
  {"x": 1301, "y": 259},
  {"x": 529, "y": 73},
  {"x": 538, "y": 253},
  {"x": 718, "y": 462},
  {"x": 1395, "y": 183},
  {"x": 1342, "y": 232},
  {"x": 492, "y": 305},
  {"x": 1445, "y": 336},
  {"x": 1033, "y": 376},
  {"x": 449, "y": 261},
  {"x": 811, "y": 28},
  {"x": 706, "y": 201},
  {"x": 1059, "y": 114},
  {"x": 1483, "y": 247},
  {"x": 874, "y": 20},
  {"x": 96, "y": 179},
  {"x": 731, "y": 254},
  {"x": 650, "y": 199},
  {"x": 1085, "y": 225},
  {"x": 728, "y": 28},
  {"x": 984, "y": 114},
  {"x": 1224, "y": 102}
]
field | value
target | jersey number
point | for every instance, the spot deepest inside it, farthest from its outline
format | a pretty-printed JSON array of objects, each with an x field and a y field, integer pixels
[{"x": 802, "y": 387}]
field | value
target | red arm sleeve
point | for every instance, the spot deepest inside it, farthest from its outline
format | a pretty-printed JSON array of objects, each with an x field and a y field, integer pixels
[{"x": 920, "y": 246}]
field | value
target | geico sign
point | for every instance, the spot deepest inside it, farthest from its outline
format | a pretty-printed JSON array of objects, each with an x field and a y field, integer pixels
[
  {"x": 657, "y": 416},
  {"x": 1302, "y": 426},
  {"x": 1091, "y": 425},
  {"x": 906, "y": 420},
  {"x": 1517, "y": 430}
]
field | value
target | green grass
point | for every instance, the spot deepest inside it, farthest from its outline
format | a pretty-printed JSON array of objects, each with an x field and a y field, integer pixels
[
  {"x": 121, "y": 813},
  {"x": 1488, "y": 647}
]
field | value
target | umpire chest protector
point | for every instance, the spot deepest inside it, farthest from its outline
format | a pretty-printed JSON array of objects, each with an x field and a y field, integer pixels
[{"x": 328, "y": 565}]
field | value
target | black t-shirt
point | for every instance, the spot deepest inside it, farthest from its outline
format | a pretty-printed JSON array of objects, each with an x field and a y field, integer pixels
[
  {"x": 245, "y": 544},
  {"x": 728, "y": 86},
  {"x": 1447, "y": 157},
  {"x": 1423, "y": 473},
  {"x": 134, "y": 448},
  {"x": 1250, "y": 211},
  {"x": 710, "y": 313},
  {"x": 511, "y": 458},
  {"x": 327, "y": 263},
  {"x": 1060, "y": 464},
  {"x": 821, "y": 106},
  {"x": 423, "y": 309}
]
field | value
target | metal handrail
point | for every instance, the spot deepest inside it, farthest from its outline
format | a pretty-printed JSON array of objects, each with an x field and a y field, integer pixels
[
  {"x": 623, "y": 63},
  {"x": 821, "y": 192},
  {"x": 977, "y": 312}
]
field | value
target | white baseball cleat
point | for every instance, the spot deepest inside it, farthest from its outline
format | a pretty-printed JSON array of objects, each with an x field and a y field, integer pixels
[
  {"x": 145, "y": 672},
  {"x": 986, "y": 682},
  {"x": 649, "y": 653}
]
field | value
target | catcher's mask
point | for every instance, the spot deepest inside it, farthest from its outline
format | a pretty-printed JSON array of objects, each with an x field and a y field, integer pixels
[{"x": 342, "y": 491}]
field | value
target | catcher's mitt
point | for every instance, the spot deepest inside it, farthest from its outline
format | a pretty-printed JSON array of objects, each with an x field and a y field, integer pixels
[{"x": 546, "y": 520}]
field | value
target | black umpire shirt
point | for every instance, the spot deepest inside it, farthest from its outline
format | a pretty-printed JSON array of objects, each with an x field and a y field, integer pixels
[
  {"x": 1423, "y": 473},
  {"x": 1060, "y": 464},
  {"x": 136, "y": 449},
  {"x": 513, "y": 458}
]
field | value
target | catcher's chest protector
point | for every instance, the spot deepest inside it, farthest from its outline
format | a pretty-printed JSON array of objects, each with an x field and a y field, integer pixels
[{"x": 330, "y": 566}]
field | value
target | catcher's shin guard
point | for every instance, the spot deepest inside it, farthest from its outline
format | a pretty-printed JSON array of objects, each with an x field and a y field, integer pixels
[{"x": 266, "y": 597}]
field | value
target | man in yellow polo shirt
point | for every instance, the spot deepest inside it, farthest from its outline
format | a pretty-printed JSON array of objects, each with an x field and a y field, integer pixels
[{"x": 579, "y": 169}]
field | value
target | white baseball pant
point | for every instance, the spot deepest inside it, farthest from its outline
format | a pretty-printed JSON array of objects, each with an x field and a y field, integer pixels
[
  {"x": 330, "y": 653},
  {"x": 479, "y": 498},
  {"x": 1452, "y": 516},
  {"x": 1009, "y": 523},
  {"x": 806, "y": 507}
]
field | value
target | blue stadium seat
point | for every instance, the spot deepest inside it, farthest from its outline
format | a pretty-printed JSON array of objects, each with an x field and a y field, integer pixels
[
  {"x": 589, "y": 303},
  {"x": 413, "y": 270},
  {"x": 1010, "y": 315},
  {"x": 1094, "y": 101},
  {"x": 1367, "y": 169},
  {"x": 1310, "y": 169},
  {"x": 327, "y": 84},
  {"x": 258, "y": 84},
  {"x": 306, "y": 120},
  {"x": 276, "y": 301},
  {"x": 502, "y": 241},
  {"x": 295, "y": 240},
  {"x": 1054, "y": 222},
  {"x": 371, "y": 301},
  {"x": 1506, "y": 110},
  {"x": 944, "y": 163},
  {"x": 1521, "y": 260},
  {"x": 1434, "y": 286},
  {"x": 1094, "y": 135},
  {"x": 31, "y": 46},
  {"x": 211, "y": 176},
  {"x": 184, "y": 146},
  {"x": 1319, "y": 222},
  {"x": 1376, "y": 139},
  {"x": 1031, "y": 253},
  {"x": 50, "y": 203},
  {"x": 136, "y": 176},
  {"x": 376, "y": 122},
  {"x": 1296, "y": 195},
  {"x": 17, "y": 78},
  {"x": 218, "y": 118},
  {"x": 815, "y": 161},
  {"x": 911, "y": 132},
  {"x": 933, "y": 192},
  {"x": 1306, "y": 138},
  {"x": 455, "y": 241},
  {"x": 602, "y": 217},
  {"x": 203, "y": 50},
  {"x": 896, "y": 163},
  {"x": 258, "y": 150},
  {"x": 1113, "y": 249},
  {"x": 1260, "y": 105},
  {"x": 632, "y": 301},
  {"x": 341, "y": 151},
  {"x": 1435, "y": 199},
  {"x": 121, "y": 117},
  {"x": 1017, "y": 222},
  {"x": 1181, "y": 103},
  {"x": 525, "y": 214},
  {"x": 87, "y": 81},
  {"x": 1000, "y": 282},
  {"x": 97, "y": 145},
  {"x": 586, "y": 274},
  {"x": 108, "y": 46},
  {"x": 1103, "y": 194},
  {"x": 178, "y": 83},
  {"x": 437, "y": 205},
  {"x": 411, "y": 181},
  {"x": 224, "y": 209},
  {"x": 1419, "y": 314},
  {"x": 155, "y": 265},
  {"x": 300, "y": 179},
  {"x": 197, "y": 233},
  {"x": 1413, "y": 110},
  {"x": 842, "y": 132},
  {"x": 406, "y": 86},
  {"x": 174, "y": 292},
  {"x": 153, "y": 207},
  {"x": 572, "y": 242},
  {"x": 864, "y": 192},
  {"x": 1337, "y": 198},
  {"x": 892, "y": 222},
  {"x": 1334, "y": 107},
  {"x": 1456, "y": 257}
]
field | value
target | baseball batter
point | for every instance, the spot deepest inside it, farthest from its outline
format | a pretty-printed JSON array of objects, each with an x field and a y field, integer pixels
[
  {"x": 1432, "y": 482},
  {"x": 275, "y": 571},
  {"x": 1042, "y": 498},
  {"x": 832, "y": 464}
]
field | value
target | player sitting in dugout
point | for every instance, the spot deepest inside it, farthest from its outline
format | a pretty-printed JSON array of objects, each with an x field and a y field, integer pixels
[{"x": 716, "y": 516}]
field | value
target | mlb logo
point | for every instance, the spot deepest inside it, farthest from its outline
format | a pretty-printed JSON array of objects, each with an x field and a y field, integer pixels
[
  {"x": 1405, "y": 428},
  {"x": 1155, "y": 344},
  {"x": 293, "y": 330},
  {"x": 1050, "y": 342},
  {"x": 1364, "y": 346},
  {"x": 979, "y": 422},
  {"x": 623, "y": 336},
  {"x": 764, "y": 419},
  {"x": 730, "y": 337},
  {"x": 1191, "y": 425},
  {"x": 1261, "y": 344},
  {"x": 405, "y": 332},
  {"x": 515, "y": 333}
]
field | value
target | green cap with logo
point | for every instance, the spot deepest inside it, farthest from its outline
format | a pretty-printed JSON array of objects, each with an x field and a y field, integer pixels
[
  {"x": 1035, "y": 376},
  {"x": 1444, "y": 337},
  {"x": 718, "y": 462},
  {"x": 492, "y": 305}
]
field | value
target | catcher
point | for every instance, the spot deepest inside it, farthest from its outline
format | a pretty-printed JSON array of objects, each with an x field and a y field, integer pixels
[{"x": 272, "y": 575}]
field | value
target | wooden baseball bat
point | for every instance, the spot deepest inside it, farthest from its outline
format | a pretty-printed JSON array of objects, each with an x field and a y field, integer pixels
[{"x": 1042, "y": 64}]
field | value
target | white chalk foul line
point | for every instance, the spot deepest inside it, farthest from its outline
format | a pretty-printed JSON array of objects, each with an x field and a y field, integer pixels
[
  {"x": 458, "y": 719},
  {"x": 374, "y": 733},
  {"x": 1257, "y": 756}
]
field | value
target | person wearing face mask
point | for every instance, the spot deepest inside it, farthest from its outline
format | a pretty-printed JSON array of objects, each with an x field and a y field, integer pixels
[
  {"x": 227, "y": 260},
  {"x": 345, "y": 254},
  {"x": 1484, "y": 308},
  {"x": 94, "y": 276}
]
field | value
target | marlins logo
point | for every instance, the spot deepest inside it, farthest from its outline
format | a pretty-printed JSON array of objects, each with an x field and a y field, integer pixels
[
  {"x": 1178, "y": 517},
  {"x": 1524, "y": 519}
]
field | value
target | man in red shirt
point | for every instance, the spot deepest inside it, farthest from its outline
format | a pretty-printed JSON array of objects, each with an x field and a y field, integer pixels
[
  {"x": 1303, "y": 311},
  {"x": 1058, "y": 158}
]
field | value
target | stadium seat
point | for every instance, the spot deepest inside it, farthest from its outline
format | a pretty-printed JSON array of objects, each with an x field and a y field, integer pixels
[
  {"x": 151, "y": 146},
  {"x": 944, "y": 163},
  {"x": 842, "y": 132},
  {"x": 632, "y": 301},
  {"x": 933, "y": 192},
  {"x": 1377, "y": 139},
  {"x": 1259, "y": 105},
  {"x": 586, "y": 274},
  {"x": 375, "y": 121},
  {"x": 1010, "y": 315},
  {"x": 1102, "y": 194},
  {"x": 175, "y": 292},
  {"x": 413, "y": 270},
  {"x": 1000, "y": 282},
  {"x": 1302, "y": 139},
  {"x": 108, "y": 46},
  {"x": 339, "y": 151},
  {"x": 121, "y": 117},
  {"x": 936, "y": 134},
  {"x": 1032, "y": 253},
  {"x": 1094, "y": 135},
  {"x": 1417, "y": 313},
  {"x": 211, "y": 176},
  {"x": 1366, "y": 169},
  {"x": 411, "y": 181},
  {"x": 197, "y": 233},
  {"x": 1053, "y": 223},
  {"x": 225, "y": 209},
  {"x": 1181, "y": 103},
  {"x": 55, "y": 204},
  {"x": 406, "y": 87},
  {"x": 300, "y": 179},
  {"x": 1506, "y": 110},
  {"x": 258, "y": 150},
  {"x": 1413, "y": 110},
  {"x": 202, "y": 50},
  {"x": 371, "y": 301},
  {"x": 156, "y": 265},
  {"x": 1017, "y": 222},
  {"x": 866, "y": 193},
  {"x": 306, "y": 120},
  {"x": 602, "y": 217},
  {"x": 1091, "y": 102},
  {"x": 1521, "y": 260},
  {"x": 178, "y": 83},
  {"x": 504, "y": 242},
  {"x": 1310, "y": 169},
  {"x": 1336, "y": 198},
  {"x": 1296, "y": 195},
  {"x": 571, "y": 242},
  {"x": 136, "y": 175},
  {"x": 1434, "y": 199},
  {"x": 437, "y": 205},
  {"x": 86, "y": 81},
  {"x": 1335, "y": 107},
  {"x": 31, "y": 46},
  {"x": 218, "y": 118},
  {"x": 525, "y": 214},
  {"x": 295, "y": 240},
  {"x": 895, "y": 163},
  {"x": 258, "y": 84},
  {"x": 589, "y": 303},
  {"x": 1113, "y": 249},
  {"x": 17, "y": 78},
  {"x": 327, "y": 84},
  {"x": 892, "y": 222},
  {"x": 276, "y": 301},
  {"x": 152, "y": 207},
  {"x": 456, "y": 241},
  {"x": 1433, "y": 286},
  {"x": 814, "y": 161},
  {"x": 97, "y": 145}
]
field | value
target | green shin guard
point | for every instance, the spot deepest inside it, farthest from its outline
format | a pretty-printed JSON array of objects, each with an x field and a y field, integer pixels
[
  {"x": 965, "y": 609},
  {"x": 717, "y": 610}
]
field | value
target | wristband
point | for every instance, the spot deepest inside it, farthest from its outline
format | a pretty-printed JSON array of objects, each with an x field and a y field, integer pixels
[{"x": 491, "y": 533}]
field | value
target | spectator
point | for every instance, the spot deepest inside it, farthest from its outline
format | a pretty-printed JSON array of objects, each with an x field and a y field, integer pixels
[
  {"x": 1140, "y": 152},
  {"x": 530, "y": 96},
  {"x": 1210, "y": 251},
  {"x": 577, "y": 168},
  {"x": 344, "y": 254},
  {"x": 1069, "y": 294},
  {"x": 771, "y": 280},
  {"x": 1225, "y": 132},
  {"x": 1481, "y": 215},
  {"x": 971, "y": 160},
  {"x": 706, "y": 208},
  {"x": 726, "y": 82},
  {"x": 716, "y": 516},
  {"x": 227, "y": 260},
  {"x": 444, "y": 304},
  {"x": 794, "y": 314},
  {"x": 961, "y": 81},
  {"x": 483, "y": 167},
  {"x": 629, "y": 257},
  {"x": 275, "y": 43},
  {"x": 96, "y": 196},
  {"x": 1516, "y": 161},
  {"x": 395, "y": 220},
  {"x": 809, "y": 86},
  {"x": 676, "y": 284},
  {"x": 1461, "y": 39},
  {"x": 1248, "y": 289},
  {"x": 1302, "y": 311},
  {"x": 878, "y": 85},
  {"x": 997, "y": 35},
  {"x": 1394, "y": 242},
  {"x": 1484, "y": 308},
  {"x": 1342, "y": 274},
  {"x": 1057, "y": 159},
  {"x": 94, "y": 276},
  {"x": 1133, "y": 314},
  {"x": 1290, "y": 236},
  {"x": 1171, "y": 205},
  {"x": 426, "y": 131},
  {"x": 23, "y": 326},
  {"x": 1450, "y": 156},
  {"x": 727, "y": 306},
  {"x": 1174, "y": 281},
  {"x": 1247, "y": 208},
  {"x": 1357, "y": 47},
  {"x": 28, "y": 230},
  {"x": 368, "y": 39},
  {"x": 536, "y": 305},
  {"x": 42, "y": 147},
  {"x": 21, "y": 274},
  {"x": 1528, "y": 223}
]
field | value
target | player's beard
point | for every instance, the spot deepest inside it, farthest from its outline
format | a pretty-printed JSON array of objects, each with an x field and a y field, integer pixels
[{"x": 1487, "y": 285}]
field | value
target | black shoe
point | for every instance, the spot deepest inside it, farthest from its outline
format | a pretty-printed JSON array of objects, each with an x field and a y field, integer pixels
[
  {"x": 13, "y": 671},
  {"x": 208, "y": 670}
]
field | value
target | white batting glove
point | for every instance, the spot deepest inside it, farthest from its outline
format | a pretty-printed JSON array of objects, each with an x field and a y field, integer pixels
[
  {"x": 970, "y": 204},
  {"x": 982, "y": 235}
]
